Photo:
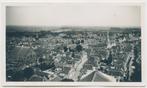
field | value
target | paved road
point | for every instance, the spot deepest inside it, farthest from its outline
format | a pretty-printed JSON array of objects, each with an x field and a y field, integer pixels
[{"x": 75, "y": 70}]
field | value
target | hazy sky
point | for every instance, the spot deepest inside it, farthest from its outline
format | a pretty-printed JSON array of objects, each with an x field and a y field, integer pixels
[{"x": 74, "y": 15}]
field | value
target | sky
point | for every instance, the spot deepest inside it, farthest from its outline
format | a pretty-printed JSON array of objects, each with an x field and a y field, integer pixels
[{"x": 75, "y": 14}]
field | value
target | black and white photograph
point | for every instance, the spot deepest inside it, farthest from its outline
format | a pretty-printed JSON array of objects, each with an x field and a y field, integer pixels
[{"x": 73, "y": 42}]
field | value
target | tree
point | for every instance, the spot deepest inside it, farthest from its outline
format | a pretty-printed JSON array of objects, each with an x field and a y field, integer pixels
[
  {"x": 28, "y": 72},
  {"x": 136, "y": 76},
  {"x": 82, "y": 41},
  {"x": 41, "y": 60},
  {"x": 109, "y": 58},
  {"x": 79, "y": 48},
  {"x": 73, "y": 55},
  {"x": 18, "y": 76},
  {"x": 73, "y": 42},
  {"x": 65, "y": 49}
]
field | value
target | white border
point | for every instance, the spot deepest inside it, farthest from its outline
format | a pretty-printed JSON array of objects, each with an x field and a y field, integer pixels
[{"x": 5, "y": 3}]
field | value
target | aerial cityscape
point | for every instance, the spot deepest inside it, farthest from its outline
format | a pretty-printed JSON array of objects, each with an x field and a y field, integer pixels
[{"x": 73, "y": 54}]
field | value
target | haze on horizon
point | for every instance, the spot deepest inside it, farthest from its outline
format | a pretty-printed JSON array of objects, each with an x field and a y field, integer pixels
[{"x": 75, "y": 14}]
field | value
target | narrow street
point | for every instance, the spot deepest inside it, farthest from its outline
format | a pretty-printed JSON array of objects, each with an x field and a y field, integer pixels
[{"x": 75, "y": 70}]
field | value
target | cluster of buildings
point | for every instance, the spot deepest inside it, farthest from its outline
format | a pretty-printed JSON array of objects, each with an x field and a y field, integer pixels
[{"x": 75, "y": 55}]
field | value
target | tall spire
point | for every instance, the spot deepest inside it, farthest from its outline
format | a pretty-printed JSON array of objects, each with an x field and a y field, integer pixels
[{"x": 108, "y": 41}]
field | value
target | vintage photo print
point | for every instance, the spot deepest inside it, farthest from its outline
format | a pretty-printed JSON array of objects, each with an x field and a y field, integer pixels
[{"x": 73, "y": 42}]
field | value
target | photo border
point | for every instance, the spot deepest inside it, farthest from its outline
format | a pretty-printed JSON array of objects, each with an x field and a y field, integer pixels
[{"x": 4, "y": 4}]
